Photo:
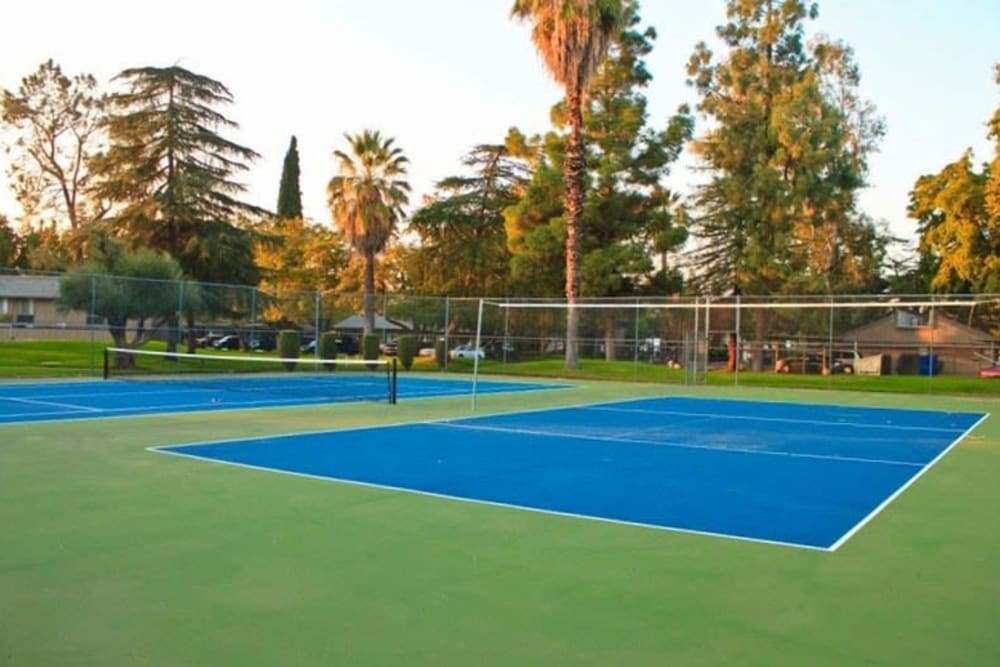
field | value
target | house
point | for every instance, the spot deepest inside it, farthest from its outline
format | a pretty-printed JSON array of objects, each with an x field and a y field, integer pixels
[
  {"x": 29, "y": 307},
  {"x": 26, "y": 300},
  {"x": 922, "y": 342},
  {"x": 385, "y": 327}
]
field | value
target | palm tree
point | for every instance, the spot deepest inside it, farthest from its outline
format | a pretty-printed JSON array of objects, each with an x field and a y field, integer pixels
[
  {"x": 366, "y": 199},
  {"x": 572, "y": 36}
]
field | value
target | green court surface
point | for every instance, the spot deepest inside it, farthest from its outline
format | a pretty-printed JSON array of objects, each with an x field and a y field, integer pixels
[{"x": 114, "y": 555}]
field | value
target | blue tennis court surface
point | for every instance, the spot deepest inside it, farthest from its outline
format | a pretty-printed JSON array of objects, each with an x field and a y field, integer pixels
[
  {"x": 53, "y": 401},
  {"x": 793, "y": 474}
]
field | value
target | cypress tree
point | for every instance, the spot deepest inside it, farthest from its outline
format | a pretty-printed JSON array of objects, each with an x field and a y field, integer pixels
[{"x": 289, "y": 193}]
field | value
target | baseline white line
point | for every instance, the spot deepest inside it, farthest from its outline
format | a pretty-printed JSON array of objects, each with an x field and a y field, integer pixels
[
  {"x": 781, "y": 420},
  {"x": 492, "y": 503},
  {"x": 681, "y": 445},
  {"x": 885, "y": 503},
  {"x": 53, "y": 404}
]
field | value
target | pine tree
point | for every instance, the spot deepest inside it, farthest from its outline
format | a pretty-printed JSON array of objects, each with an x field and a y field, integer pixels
[
  {"x": 289, "y": 192},
  {"x": 786, "y": 151},
  {"x": 170, "y": 175}
]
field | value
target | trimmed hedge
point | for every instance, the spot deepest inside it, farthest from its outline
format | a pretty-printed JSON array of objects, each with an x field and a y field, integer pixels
[
  {"x": 289, "y": 342},
  {"x": 406, "y": 351},
  {"x": 328, "y": 345},
  {"x": 369, "y": 346}
]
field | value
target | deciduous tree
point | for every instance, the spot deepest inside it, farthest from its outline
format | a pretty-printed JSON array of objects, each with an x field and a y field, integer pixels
[
  {"x": 55, "y": 124},
  {"x": 119, "y": 286}
]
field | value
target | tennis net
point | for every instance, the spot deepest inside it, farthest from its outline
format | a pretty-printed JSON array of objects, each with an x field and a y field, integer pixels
[{"x": 334, "y": 380}]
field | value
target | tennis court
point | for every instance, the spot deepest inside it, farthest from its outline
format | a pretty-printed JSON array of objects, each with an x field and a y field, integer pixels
[
  {"x": 139, "y": 395},
  {"x": 791, "y": 474}
]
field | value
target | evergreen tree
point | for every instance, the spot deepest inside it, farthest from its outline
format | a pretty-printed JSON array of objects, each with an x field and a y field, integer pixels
[
  {"x": 10, "y": 245},
  {"x": 167, "y": 169},
  {"x": 170, "y": 175},
  {"x": 289, "y": 192},
  {"x": 463, "y": 245},
  {"x": 786, "y": 153}
]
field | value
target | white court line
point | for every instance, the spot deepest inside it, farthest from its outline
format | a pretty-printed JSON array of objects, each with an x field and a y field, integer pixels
[
  {"x": 885, "y": 503},
  {"x": 679, "y": 445},
  {"x": 52, "y": 404},
  {"x": 492, "y": 503},
  {"x": 780, "y": 420}
]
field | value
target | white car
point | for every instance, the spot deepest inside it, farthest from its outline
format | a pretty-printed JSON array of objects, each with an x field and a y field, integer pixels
[{"x": 467, "y": 352}]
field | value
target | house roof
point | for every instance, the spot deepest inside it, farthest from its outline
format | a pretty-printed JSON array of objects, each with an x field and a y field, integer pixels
[
  {"x": 29, "y": 287},
  {"x": 357, "y": 323},
  {"x": 942, "y": 330}
]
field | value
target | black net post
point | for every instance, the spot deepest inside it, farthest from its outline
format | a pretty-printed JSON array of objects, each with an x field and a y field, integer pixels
[{"x": 391, "y": 370}]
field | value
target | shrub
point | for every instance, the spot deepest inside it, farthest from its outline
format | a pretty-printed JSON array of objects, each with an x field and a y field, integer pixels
[
  {"x": 369, "y": 346},
  {"x": 441, "y": 352},
  {"x": 406, "y": 350},
  {"x": 288, "y": 346},
  {"x": 328, "y": 345}
]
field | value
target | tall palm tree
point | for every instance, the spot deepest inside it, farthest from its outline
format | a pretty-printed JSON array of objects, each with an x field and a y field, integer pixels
[
  {"x": 572, "y": 36},
  {"x": 366, "y": 199}
]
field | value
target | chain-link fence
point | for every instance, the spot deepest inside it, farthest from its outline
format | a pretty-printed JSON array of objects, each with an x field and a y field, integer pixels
[
  {"x": 900, "y": 335},
  {"x": 873, "y": 335}
]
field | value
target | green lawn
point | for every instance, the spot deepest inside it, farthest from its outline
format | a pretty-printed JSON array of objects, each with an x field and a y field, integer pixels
[{"x": 33, "y": 359}]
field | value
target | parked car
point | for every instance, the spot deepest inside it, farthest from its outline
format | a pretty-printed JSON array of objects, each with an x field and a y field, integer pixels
[
  {"x": 991, "y": 372},
  {"x": 388, "y": 348},
  {"x": 230, "y": 342},
  {"x": 347, "y": 345},
  {"x": 262, "y": 342},
  {"x": 467, "y": 352},
  {"x": 813, "y": 363},
  {"x": 208, "y": 340}
]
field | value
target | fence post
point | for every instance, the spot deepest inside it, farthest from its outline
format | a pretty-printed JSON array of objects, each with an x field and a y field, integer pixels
[
  {"x": 91, "y": 320},
  {"x": 739, "y": 343},
  {"x": 447, "y": 306},
  {"x": 316, "y": 330}
]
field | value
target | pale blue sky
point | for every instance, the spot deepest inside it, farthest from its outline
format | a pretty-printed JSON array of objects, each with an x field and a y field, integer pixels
[{"x": 443, "y": 75}]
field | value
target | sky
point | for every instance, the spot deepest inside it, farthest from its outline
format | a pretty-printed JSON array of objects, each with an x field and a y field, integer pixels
[{"x": 440, "y": 76}]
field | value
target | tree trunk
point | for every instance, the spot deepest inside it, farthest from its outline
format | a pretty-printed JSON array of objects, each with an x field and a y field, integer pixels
[
  {"x": 731, "y": 348},
  {"x": 369, "y": 292},
  {"x": 573, "y": 175},
  {"x": 610, "y": 348},
  {"x": 192, "y": 345}
]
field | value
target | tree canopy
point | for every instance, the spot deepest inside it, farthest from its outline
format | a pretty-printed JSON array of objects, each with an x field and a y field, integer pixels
[
  {"x": 289, "y": 191},
  {"x": 145, "y": 287},
  {"x": 56, "y": 124},
  {"x": 785, "y": 153}
]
